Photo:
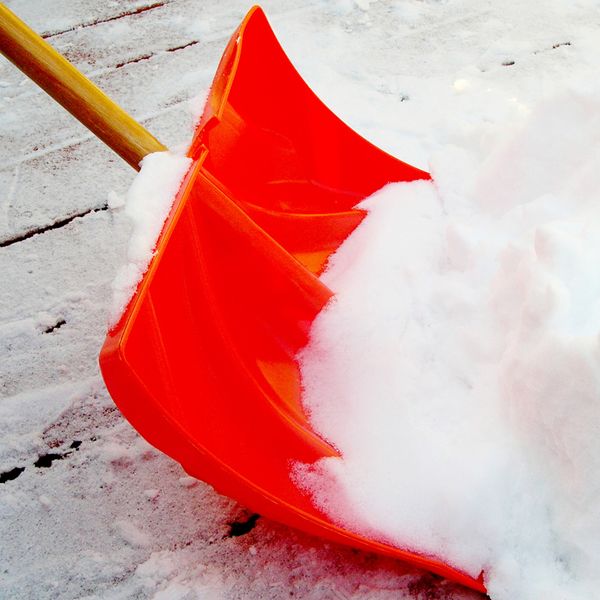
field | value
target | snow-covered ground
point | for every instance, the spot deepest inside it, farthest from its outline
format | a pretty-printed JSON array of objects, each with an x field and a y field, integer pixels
[{"x": 87, "y": 508}]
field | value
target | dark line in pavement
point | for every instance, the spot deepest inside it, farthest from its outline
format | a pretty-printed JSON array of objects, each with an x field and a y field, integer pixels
[
  {"x": 239, "y": 528},
  {"x": 174, "y": 49},
  {"x": 10, "y": 475},
  {"x": 135, "y": 60},
  {"x": 56, "y": 326},
  {"x": 56, "y": 225},
  {"x": 153, "y": 54},
  {"x": 129, "y": 13}
]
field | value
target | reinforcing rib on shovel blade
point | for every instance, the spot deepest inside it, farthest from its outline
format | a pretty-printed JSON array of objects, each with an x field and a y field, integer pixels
[{"x": 202, "y": 362}]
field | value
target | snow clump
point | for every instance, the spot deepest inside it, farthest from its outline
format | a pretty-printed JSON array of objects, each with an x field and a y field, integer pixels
[
  {"x": 147, "y": 204},
  {"x": 457, "y": 369}
]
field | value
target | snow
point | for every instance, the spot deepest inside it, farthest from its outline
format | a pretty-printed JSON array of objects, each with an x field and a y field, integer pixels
[
  {"x": 148, "y": 203},
  {"x": 110, "y": 517},
  {"x": 457, "y": 369}
]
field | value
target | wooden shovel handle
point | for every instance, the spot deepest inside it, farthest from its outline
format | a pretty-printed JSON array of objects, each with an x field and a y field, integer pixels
[{"x": 59, "y": 78}]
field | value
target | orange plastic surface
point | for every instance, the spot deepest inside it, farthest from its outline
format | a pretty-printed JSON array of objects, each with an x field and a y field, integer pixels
[{"x": 202, "y": 362}]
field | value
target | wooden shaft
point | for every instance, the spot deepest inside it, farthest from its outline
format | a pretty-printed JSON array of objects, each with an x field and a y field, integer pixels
[{"x": 59, "y": 78}]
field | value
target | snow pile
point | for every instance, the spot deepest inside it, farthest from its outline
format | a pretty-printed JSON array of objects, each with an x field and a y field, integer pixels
[
  {"x": 147, "y": 204},
  {"x": 458, "y": 367}
]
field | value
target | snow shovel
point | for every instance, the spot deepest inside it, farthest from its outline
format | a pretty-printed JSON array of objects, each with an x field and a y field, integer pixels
[{"x": 202, "y": 361}]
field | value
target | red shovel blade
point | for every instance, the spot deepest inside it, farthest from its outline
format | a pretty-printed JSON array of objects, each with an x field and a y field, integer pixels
[
  {"x": 281, "y": 154},
  {"x": 202, "y": 362}
]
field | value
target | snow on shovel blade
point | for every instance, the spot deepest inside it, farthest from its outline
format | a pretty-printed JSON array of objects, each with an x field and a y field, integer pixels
[{"x": 202, "y": 362}]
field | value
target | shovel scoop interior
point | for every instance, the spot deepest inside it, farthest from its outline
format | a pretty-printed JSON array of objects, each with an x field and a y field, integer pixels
[{"x": 202, "y": 362}]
